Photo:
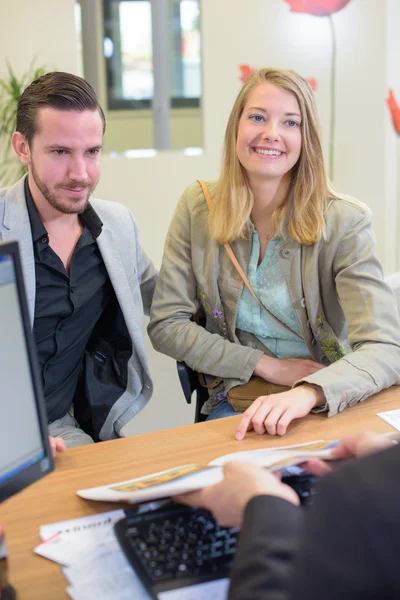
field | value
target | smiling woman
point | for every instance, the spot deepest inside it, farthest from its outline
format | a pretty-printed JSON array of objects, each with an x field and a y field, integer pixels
[
  {"x": 315, "y": 314},
  {"x": 269, "y": 137}
]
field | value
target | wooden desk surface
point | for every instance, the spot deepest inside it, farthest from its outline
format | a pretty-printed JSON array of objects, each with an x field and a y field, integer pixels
[{"x": 53, "y": 498}]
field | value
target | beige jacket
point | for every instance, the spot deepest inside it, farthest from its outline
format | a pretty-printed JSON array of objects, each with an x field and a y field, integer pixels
[{"x": 346, "y": 312}]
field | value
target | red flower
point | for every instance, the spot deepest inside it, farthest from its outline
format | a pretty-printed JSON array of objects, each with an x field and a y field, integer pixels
[
  {"x": 318, "y": 8},
  {"x": 245, "y": 72},
  {"x": 394, "y": 110},
  {"x": 313, "y": 83}
]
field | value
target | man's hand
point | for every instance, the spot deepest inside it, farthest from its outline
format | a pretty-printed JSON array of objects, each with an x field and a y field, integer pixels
[
  {"x": 285, "y": 371},
  {"x": 352, "y": 446},
  {"x": 272, "y": 414},
  {"x": 242, "y": 482},
  {"x": 57, "y": 444}
]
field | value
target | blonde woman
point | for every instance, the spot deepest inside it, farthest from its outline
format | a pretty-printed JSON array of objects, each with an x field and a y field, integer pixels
[{"x": 309, "y": 255}]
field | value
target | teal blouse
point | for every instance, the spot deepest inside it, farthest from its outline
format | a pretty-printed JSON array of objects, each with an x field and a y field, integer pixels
[{"x": 270, "y": 286}]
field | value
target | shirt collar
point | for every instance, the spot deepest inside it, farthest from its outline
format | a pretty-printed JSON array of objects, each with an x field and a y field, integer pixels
[
  {"x": 37, "y": 227},
  {"x": 277, "y": 238},
  {"x": 89, "y": 217}
]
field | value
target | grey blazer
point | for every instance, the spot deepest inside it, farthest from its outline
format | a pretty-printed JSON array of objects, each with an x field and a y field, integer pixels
[
  {"x": 133, "y": 278},
  {"x": 346, "y": 312}
]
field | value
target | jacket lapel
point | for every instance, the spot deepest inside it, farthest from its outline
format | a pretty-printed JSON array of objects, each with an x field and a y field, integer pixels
[
  {"x": 116, "y": 272},
  {"x": 108, "y": 248},
  {"x": 15, "y": 225},
  {"x": 294, "y": 268}
]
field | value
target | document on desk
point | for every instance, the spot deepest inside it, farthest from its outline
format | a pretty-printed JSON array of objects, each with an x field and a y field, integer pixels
[
  {"x": 186, "y": 478},
  {"x": 96, "y": 568},
  {"x": 392, "y": 417},
  {"x": 212, "y": 590}
]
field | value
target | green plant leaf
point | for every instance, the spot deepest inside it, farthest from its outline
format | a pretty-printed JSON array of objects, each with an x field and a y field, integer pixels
[{"x": 11, "y": 89}]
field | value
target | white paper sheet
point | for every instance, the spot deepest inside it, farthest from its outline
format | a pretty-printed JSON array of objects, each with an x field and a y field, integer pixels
[
  {"x": 88, "y": 526},
  {"x": 59, "y": 549},
  {"x": 97, "y": 568},
  {"x": 392, "y": 417},
  {"x": 212, "y": 590}
]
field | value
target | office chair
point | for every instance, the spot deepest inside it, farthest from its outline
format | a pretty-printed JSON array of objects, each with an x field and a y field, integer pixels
[{"x": 190, "y": 383}]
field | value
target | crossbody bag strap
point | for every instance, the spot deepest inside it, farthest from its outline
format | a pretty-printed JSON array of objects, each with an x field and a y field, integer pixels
[
  {"x": 239, "y": 269},
  {"x": 206, "y": 193}
]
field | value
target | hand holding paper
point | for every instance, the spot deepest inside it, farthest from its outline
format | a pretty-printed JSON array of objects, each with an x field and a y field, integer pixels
[
  {"x": 242, "y": 482},
  {"x": 187, "y": 478}
]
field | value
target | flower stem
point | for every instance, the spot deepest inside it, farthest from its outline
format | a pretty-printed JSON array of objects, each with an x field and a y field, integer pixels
[{"x": 333, "y": 102}]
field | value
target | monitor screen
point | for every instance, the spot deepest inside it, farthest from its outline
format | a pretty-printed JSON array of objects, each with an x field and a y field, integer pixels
[{"x": 24, "y": 449}]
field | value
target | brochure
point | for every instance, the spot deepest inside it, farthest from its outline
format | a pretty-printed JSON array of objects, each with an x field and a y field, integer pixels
[{"x": 186, "y": 478}]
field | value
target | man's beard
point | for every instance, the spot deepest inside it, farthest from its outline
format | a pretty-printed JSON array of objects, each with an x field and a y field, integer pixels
[{"x": 59, "y": 204}]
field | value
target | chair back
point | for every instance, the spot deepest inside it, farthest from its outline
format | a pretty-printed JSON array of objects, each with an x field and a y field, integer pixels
[{"x": 190, "y": 383}]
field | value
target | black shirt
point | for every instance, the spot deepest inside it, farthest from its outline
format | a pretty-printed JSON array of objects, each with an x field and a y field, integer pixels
[{"x": 67, "y": 307}]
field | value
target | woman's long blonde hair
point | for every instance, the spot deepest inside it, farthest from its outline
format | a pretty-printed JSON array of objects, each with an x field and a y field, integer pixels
[{"x": 233, "y": 202}]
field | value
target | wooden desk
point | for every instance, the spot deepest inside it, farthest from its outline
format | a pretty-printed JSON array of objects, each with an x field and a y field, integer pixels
[{"x": 53, "y": 498}]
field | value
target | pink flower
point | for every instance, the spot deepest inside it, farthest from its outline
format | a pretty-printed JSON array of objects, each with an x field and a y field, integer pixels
[
  {"x": 245, "y": 72},
  {"x": 318, "y": 8},
  {"x": 313, "y": 83},
  {"x": 394, "y": 110}
]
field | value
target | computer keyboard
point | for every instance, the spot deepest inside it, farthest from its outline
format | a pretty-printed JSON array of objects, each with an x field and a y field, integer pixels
[
  {"x": 178, "y": 546},
  {"x": 304, "y": 486}
]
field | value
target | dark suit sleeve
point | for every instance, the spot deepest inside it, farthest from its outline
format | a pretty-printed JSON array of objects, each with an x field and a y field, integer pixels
[
  {"x": 268, "y": 540},
  {"x": 344, "y": 547},
  {"x": 350, "y": 546}
]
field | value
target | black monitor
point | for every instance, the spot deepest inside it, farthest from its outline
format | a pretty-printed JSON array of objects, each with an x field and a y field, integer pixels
[{"x": 25, "y": 454}]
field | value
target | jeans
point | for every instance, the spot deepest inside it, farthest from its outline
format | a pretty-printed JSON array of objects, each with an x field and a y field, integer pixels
[{"x": 223, "y": 410}]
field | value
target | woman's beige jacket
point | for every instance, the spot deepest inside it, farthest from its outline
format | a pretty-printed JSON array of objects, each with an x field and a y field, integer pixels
[{"x": 346, "y": 312}]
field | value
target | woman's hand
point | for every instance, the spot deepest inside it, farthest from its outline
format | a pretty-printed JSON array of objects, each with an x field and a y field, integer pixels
[
  {"x": 272, "y": 414},
  {"x": 242, "y": 482},
  {"x": 285, "y": 371}
]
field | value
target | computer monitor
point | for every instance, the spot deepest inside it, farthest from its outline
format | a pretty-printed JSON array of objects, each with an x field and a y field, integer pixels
[{"x": 25, "y": 454}]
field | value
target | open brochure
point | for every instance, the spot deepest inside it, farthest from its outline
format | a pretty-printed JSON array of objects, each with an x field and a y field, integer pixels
[{"x": 191, "y": 477}]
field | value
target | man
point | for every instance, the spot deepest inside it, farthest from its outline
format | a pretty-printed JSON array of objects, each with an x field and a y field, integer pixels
[
  {"x": 88, "y": 280},
  {"x": 345, "y": 546}
]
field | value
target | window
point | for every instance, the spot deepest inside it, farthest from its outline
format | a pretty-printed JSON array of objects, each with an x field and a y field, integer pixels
[
  {"x": 78, "y": 31},
  {"x": 129, "y": 26}
]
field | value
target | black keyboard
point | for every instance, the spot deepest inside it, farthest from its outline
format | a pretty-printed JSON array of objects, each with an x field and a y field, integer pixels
[
  {"x": 303, "y": 485},
  {"x": 176, "y": 546}
]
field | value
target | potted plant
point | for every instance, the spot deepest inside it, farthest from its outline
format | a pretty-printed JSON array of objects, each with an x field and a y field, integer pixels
[{"x": 11, "y": 88}]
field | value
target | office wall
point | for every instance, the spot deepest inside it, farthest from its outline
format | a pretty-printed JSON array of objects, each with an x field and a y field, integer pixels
[
  {"x": 42, "y": 30},
  {"x": 259, "y": 33}
]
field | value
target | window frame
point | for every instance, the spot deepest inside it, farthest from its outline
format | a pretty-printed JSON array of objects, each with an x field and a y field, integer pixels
[{"x": 119, "y": 104}]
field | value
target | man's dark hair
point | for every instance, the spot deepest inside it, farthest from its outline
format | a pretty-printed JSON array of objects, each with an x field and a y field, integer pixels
[{"x": 62, "y": 91}]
